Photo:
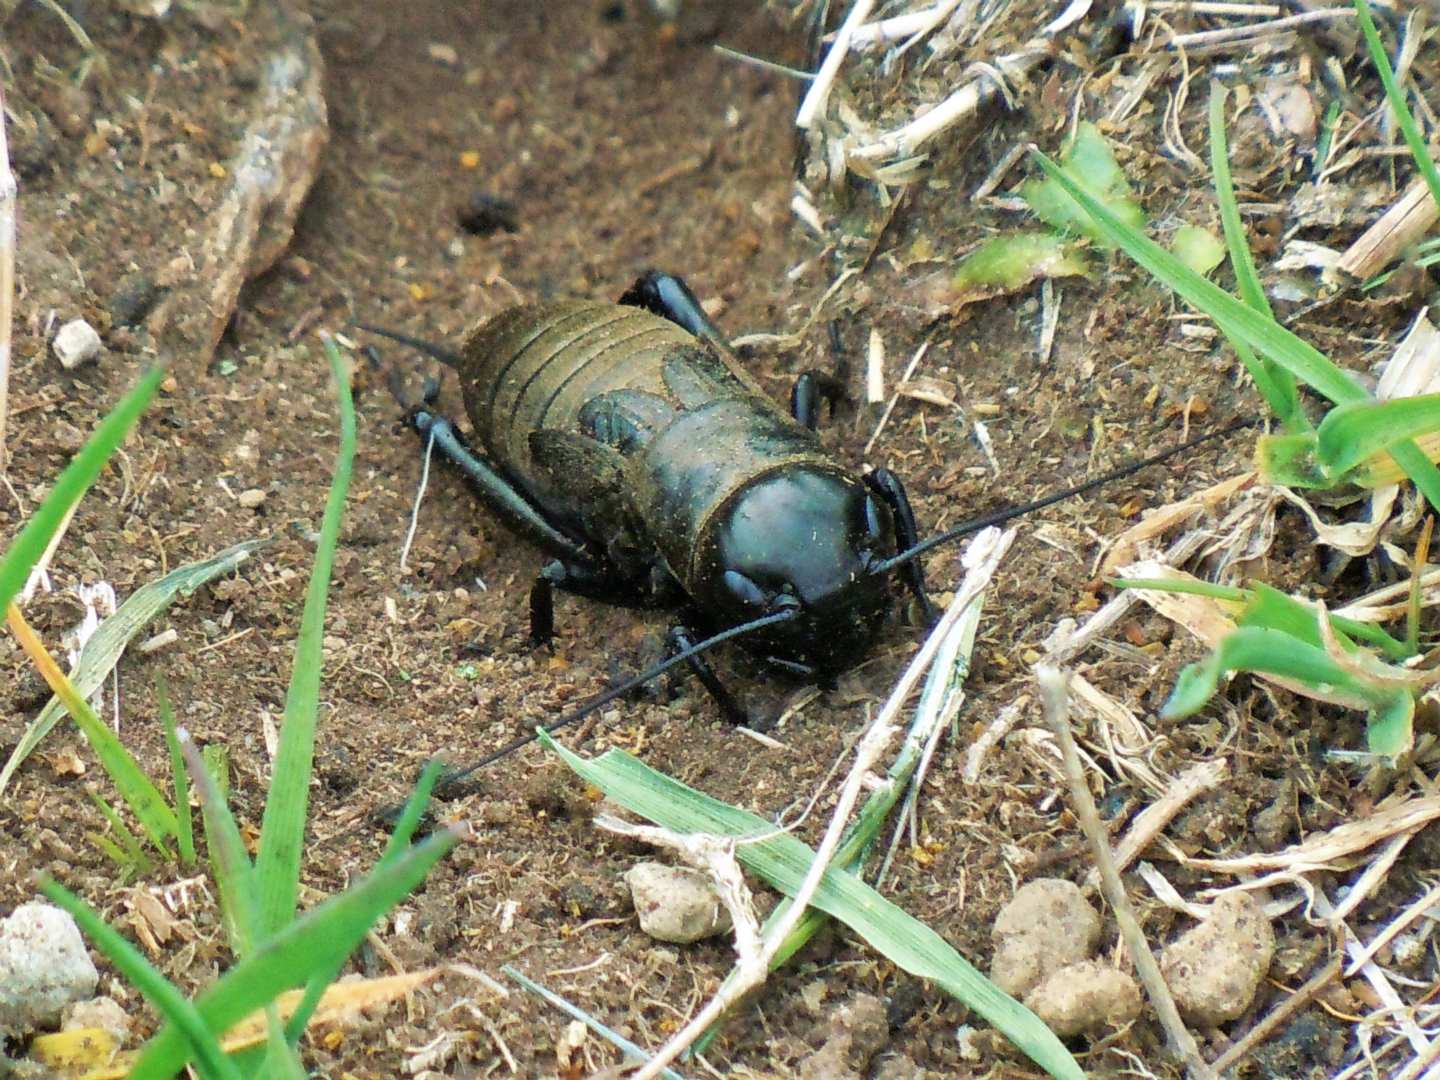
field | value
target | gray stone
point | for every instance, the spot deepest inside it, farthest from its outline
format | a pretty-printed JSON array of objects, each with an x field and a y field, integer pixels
[
  {"x": 1215, "y": 969},
  {"x": 1085, "y": 997},
  {"x": 1047, "y": 925},
  {"x": 675, "y": 903},
  {"x": 43, "y": 968}
]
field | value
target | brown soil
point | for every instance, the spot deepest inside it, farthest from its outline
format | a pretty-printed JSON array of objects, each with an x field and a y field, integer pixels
[{"x": 622, "y": 144}]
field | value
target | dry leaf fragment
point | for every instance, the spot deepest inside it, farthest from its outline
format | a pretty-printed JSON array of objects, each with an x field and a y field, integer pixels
[
  {"x": 83, "y": 1053},
  {"x": 1160, "y": 521}
]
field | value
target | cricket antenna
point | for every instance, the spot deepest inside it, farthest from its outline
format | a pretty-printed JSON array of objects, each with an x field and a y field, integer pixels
[
  {"x": 448, "y": 357},
  {"x": 455, "y": 776},
  {"x": 995, "y": 517}
]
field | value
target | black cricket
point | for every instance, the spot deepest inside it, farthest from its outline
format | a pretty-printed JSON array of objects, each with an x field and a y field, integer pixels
[{"x": 626, "y": 442}]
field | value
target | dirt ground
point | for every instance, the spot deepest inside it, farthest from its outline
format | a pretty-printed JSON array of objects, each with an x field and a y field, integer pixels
[{"x": 621, "y": 143}]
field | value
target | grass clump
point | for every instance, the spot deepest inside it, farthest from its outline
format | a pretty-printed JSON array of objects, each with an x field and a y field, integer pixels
[
  {"x": 276, "y": 948},
  {"x": 1359, "y": 441}
]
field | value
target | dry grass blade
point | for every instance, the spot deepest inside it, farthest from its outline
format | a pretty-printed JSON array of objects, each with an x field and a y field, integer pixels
[
  {"x": 1055, "y": 695},
  {"x": 1195, "y": 781},
  {"x": 813, "y": 106},
  {"x": 339, "y": 1005},
  {"x": 139, "y": 793},
  {"x": 1395, "y": 232},
  {"x": 1247, "y": 35},
  {"x": 103, "y": 651},
  {"x": 8, "y": 193},
  {"x": 1277, "y": 1017},
  {"x": 1318, "y": 851}
]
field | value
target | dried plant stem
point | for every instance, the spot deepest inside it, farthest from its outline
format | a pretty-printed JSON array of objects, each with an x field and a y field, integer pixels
[
  {"x": 1199, "y": 778},
  {"x": 1397, "y": 229},
  {"x": 753, "y": 967},
  {"x": 1277, "y": 1017},
  {"x": 8, "y": 192},
  {"x": 419, "y": 498},
  {"x": 1202, "y": 7},
  {"x": 813, "y": 105},
  {"x": 37, "y": 578},
  {"x": 1256, "y": 30},
  {"x": 1054, "y": 692},
  {"x": 965, "y": 102}
]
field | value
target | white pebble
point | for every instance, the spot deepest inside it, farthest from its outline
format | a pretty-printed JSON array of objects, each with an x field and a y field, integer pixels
[
  {"x": 251, "y": 498},
  {"x": 675, "y": 903},
  {"x": 76, "y": 343},
  {"x": 43, "y": 968}
]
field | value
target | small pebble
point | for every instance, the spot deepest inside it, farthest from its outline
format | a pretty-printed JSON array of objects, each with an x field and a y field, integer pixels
[
  {"x": 1215, "y": 969},
  {"x": 1046, "y": 926},
  {"x": 43, "y": 968},
  {"x": 676, "y": 904},
  {"x": 251, "y": 498},
  {"x": 102, "y": 1012},
  {"x": 66, "y": 436},
  {"x": 1085, "y": 997},
  {"x": 443, "y": 54},
  {"x": 76, "y": 343}
]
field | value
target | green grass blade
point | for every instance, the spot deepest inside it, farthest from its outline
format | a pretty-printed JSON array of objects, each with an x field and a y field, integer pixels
[
  {"x": 1275, "y": 384},
  {"x": 135, "y": 788},
  {"x": 282, "y": 831},
  {"x": 783, "y": 861},
  {"x": 1328, "y": 125},
  {"x": 136, "y": 861},
  {"x": 234, "y": 873},
  {"x": 1396, "y": 97},
  {"x": 1240, "y": 322},
  {"x": 191, "y": 1029},
  {"x": 413, "y": 812},
  {"x": 1274, "y": 610},
  {"x": 115, "y": 852},
  {"x": 27, "y": 547},
  {"x": 1389, "y": 710},
  {"x": 318, "y": 939},
  {"x": 1390, "y": 726},
  {"x": 1260, "y": 649},
  {"x": 1246, "y": 278},
  {"x": 1236, "y": 319},
  {"x": 399, "y": 841},
  {"x": 184, "y": 830},
  {"x": 1270, "y": 608},
  {"x": 1351, "y": 433},
  {"x": 103, "y": 650},
  {"x": 217, "y": 767},
  {"x": 281, "y": 1062},
  {"x": 1183, "y": 585}
]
